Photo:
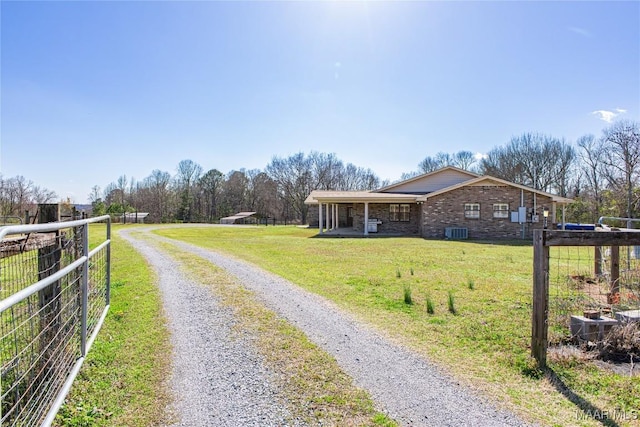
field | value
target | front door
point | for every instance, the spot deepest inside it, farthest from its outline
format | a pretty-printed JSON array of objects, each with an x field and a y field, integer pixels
[{"x": 350, "y": 216}]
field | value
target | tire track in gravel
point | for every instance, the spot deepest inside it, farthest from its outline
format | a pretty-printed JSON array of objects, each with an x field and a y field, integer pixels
[
  {"x": 218, "y": 378},
  {"x": 402, "y": 383}
]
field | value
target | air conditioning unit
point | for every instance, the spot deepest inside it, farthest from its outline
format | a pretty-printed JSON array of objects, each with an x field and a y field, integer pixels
[{"x": 456, "y": 233}]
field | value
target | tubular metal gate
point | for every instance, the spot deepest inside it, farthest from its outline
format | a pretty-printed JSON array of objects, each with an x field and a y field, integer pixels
[{"x": 54, "y": 297}]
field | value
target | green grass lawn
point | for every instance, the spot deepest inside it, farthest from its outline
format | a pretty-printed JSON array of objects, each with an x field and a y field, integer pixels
[{"x": 484, "y": 344}]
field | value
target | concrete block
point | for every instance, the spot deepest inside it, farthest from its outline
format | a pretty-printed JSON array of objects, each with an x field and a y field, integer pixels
[
  {"x": 628, "y": 316},
  {"x": 593, "y": 330}
]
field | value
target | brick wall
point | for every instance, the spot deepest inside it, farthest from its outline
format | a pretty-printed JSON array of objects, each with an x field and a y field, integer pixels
[
  {"x": 447, "y": 210},
  {"x": 381, "y": 211}
]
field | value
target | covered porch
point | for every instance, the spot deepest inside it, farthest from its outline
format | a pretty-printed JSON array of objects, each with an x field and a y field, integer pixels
[
  {"x": 354, "y": 214},
  {"x": 349, "y": 232}
]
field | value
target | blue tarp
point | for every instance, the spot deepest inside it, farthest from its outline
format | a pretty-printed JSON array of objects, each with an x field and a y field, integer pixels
[{"x": 574, "y": 226}]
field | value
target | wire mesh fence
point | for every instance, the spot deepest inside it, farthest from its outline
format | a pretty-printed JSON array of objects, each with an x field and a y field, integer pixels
[
  {"x": 586, "y": 284},
  {"x": 54, "y": 294}
]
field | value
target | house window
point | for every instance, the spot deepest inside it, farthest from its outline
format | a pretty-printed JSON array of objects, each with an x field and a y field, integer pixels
[
  {"x": 472, "y": 210},
  {"x": 501, "y": 210},
  {"x": 399, "y": 213}
]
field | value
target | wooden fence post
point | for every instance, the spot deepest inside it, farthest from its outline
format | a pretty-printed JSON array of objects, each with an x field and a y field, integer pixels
[
  {"x": 49, "y": 303},
  {"x": 540, "y": 298},
  {"x": 50, "y": 306},
  {"x": 597, "y": 257},
  {"x": 614, "y": 286}
]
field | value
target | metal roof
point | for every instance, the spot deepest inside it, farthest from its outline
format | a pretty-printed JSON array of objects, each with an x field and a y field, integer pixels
[{"x": 239, "y": 215}]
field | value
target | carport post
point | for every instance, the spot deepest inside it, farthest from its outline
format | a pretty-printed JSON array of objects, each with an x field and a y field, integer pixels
[
  {"x": 320, "y": 217},
  {"x": 327, "y": 220}
]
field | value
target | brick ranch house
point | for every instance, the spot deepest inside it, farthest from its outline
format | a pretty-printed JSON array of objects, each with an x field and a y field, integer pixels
[{"x": 447, "y": 203}]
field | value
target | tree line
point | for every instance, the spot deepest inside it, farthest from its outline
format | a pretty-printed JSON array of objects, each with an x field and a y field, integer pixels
[
  {"x": 19, "y": 195},
  {"x": 601, "y": 173},
  {"x": 193, "y": 195}
]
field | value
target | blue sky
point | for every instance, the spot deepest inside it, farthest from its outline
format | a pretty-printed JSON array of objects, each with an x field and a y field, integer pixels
[{"x": 94, "y": 90}]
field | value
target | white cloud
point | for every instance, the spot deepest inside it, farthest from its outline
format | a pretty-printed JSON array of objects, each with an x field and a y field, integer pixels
[
  {"x": 580, "y": 31},
  {"x": 479, "y": 156},
  {"x": 607, "y": 115}
]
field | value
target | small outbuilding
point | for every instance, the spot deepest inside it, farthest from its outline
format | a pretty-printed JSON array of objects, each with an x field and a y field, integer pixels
[
  {"x": 133, "y": 217},
  {"x": 239, "y": 218}
]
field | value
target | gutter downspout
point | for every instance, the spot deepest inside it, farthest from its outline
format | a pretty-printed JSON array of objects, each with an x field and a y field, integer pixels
[
  {"x": 522, "y": 223},
  {"x": 366, "y": 218}
]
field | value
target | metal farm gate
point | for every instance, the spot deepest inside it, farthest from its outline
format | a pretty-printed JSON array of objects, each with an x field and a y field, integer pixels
[{"x": 54, "y": 297}]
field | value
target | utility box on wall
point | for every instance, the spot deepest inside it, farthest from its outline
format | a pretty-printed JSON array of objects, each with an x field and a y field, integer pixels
[{"x": 520, "y": 216}]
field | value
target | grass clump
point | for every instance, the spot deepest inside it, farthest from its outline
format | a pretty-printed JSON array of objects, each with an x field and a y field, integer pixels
[
  {"x": 407, "y": 295},
  {"x": 451, "y": 303},
  {"x": 470, "y": 284},
  {"x": 430, "y": 306},
  {"x": 398, "y": 274}
]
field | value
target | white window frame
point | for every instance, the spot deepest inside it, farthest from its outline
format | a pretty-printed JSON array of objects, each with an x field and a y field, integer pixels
[
  {"x": 399, "y": 212},
  {"x": 394, "y": 212},
  {"x": 472, "y": 210},
  {"x": 405, "y": 212},
  {"x": 501, "y": 210}
]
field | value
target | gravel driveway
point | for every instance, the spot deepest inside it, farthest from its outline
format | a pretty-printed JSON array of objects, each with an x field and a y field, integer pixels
[{"x": 234, "y": 388}]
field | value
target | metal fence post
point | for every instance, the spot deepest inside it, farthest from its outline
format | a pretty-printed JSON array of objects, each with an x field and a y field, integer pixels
[
  {"x": 540, "y": 298},
  {"x": 108, "y": 249},
  {"x": 85, "y": 289}
]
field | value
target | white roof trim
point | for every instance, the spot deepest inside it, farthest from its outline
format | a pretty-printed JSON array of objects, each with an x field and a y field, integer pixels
[{"x": 424, "y": 175}]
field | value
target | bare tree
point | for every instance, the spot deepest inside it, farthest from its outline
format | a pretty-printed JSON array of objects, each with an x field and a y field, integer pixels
[
  {"x": 429, "y": 164},
  {"x": 235, "y": 191},
  {"x": 160, "y": 182},
  {"x": 294, "y": 179},
  {"x": 621, "y": 157},
  {"x": 539, "y": 161},
  {"x": 211, "y": 187},
  {"x": 42, "y": 195},
  {"x": 591, "y": 151},
  {"x": 188, "y": 173},
  {"x": 462, "y": 160},
  {"x": 94, "y": 196},
  {"x": 121, "y": 185}
]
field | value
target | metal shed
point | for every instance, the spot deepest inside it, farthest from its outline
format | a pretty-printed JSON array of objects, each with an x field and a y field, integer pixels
[{"x": 239, "y": 218}]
